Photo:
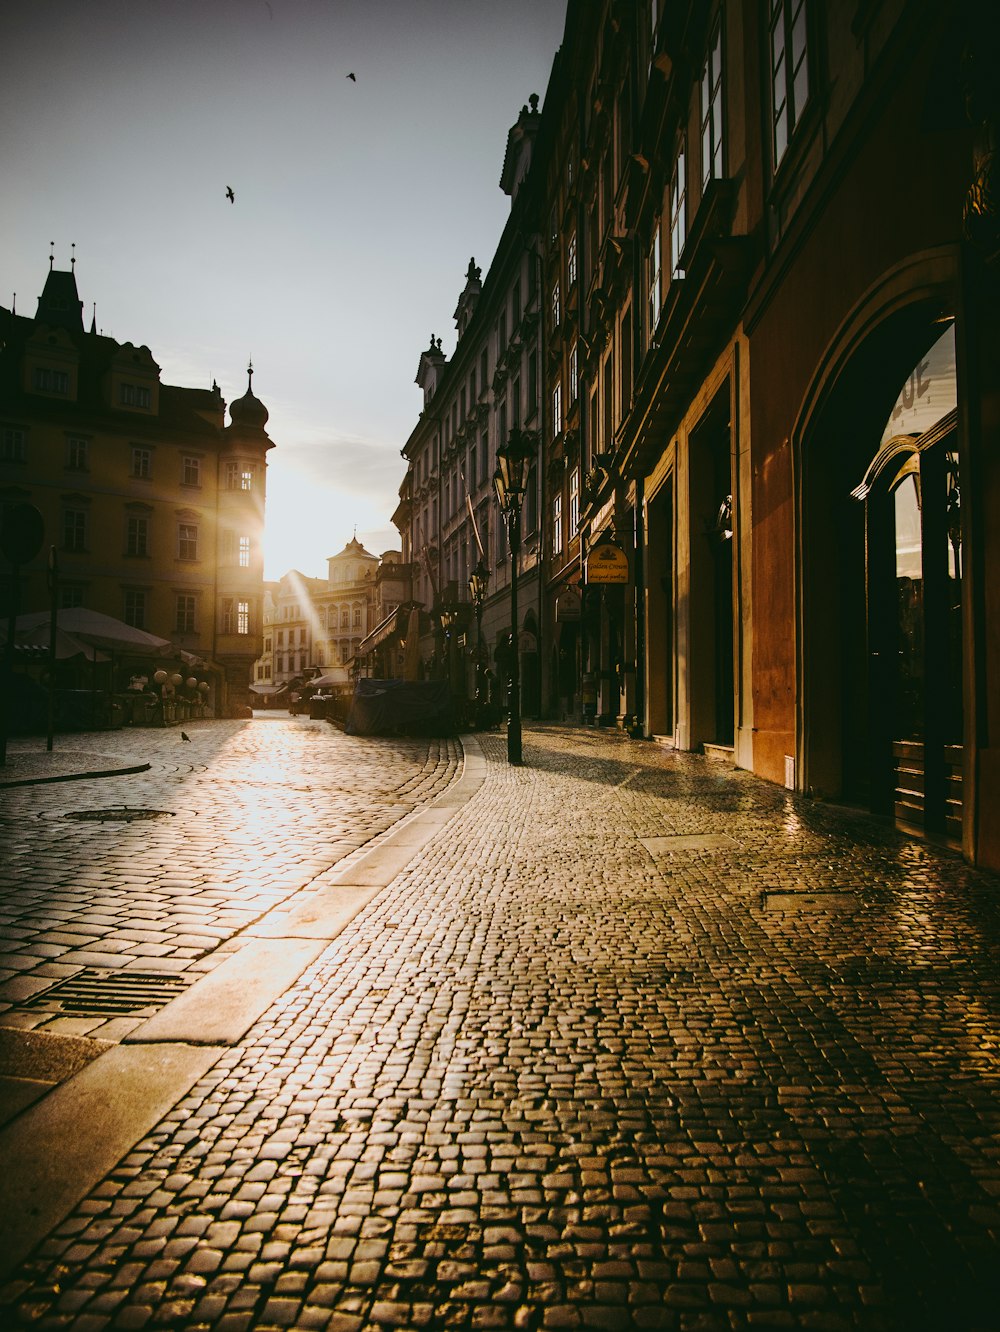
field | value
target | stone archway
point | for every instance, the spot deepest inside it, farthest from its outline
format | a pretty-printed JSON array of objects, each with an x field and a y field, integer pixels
[{"x": 837, "y": 433}]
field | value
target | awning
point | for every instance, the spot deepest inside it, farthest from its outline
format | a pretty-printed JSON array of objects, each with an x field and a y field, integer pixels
[{"x": 379, "y": 634}]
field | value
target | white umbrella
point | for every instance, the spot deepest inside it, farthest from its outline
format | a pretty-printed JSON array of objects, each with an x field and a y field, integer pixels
[{"x": 94, "y": 629}]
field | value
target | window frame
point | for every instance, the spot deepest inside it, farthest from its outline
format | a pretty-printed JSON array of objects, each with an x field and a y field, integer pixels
[
  {"x": 787, "y": 17},
  {"x": 184, "y": 540},
  {"x": 713, "y": 132}
]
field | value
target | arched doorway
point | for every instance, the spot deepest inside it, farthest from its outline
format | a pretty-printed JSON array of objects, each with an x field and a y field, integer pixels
[
  {"x": 913, "y": 563},
  {"x": 853, "y": 606}
]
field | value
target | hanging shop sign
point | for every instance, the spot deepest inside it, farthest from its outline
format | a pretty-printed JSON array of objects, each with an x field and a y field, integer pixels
[
  {"x": 568, "y": 606},
  {"x": 607, "y": 564}
]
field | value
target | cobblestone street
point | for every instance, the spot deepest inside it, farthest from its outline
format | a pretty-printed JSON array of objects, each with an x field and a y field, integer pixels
[{"x": 634, "y": 1040}]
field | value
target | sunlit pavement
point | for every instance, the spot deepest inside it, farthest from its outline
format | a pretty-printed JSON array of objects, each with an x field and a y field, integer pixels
[{"x": 632, "y": 1041}]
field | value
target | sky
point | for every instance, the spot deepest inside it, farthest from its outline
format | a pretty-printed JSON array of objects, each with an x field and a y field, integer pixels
[{"x": 358, "y": 204}]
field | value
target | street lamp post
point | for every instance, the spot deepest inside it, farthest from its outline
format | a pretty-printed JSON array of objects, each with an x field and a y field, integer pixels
[
  {"x": 511, "y": 482},
  {"x": 478, "y": 580}
]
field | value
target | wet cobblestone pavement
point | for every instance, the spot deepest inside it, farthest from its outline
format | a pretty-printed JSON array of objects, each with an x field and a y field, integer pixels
[
  {"x": 636, "y": 1041},
  {"x": 238, "y": 819}
]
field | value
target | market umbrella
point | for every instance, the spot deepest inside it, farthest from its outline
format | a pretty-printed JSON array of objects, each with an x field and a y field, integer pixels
[
  {"x": 94, "y": 629},
  {"x": 67, "y": 645}
]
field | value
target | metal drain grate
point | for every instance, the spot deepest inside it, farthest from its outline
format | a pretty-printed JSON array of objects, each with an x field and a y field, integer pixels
[
  {"x": 117, "y": 814},
  {"x": 818, "y": 899},
  {"x": 113, "y": 992}
]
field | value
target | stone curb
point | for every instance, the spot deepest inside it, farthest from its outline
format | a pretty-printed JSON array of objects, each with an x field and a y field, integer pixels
[{"x": 77, "y": 776}]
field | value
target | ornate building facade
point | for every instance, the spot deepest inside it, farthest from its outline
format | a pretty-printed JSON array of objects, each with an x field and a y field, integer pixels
[
  {"x": 765, "y": 273},
  {"x": 154, "y": 506}
]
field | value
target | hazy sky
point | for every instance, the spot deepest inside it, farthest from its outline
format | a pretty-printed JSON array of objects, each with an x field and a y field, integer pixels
[{"x": 358, "y": 207}]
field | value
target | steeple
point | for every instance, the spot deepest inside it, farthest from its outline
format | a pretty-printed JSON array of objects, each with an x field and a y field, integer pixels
[{"x": 59, "y": 305}]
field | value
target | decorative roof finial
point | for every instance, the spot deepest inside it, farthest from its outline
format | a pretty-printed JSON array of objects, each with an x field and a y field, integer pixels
[
  {"x": 72, "y": 262},
  {"x": 533, "y": 103},
  {"x": 52, "y": 255},
  {"x": 250, "y": 376}
]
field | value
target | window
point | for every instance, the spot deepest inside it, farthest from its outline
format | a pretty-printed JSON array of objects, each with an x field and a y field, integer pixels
[
  {"x": 236, "y": 617},
  {"x": 134, "y": 607},
  {"x": 142, "y": 463},
  {"x": 134, "y": 395},
  {"x": 625, "y": 360},
  {"x": 184, "y": 613},
  {"x": 557, "y": 525},
  {"x": 70, "y": 595},
  {"x": 557, "y": 410},
  {"x": 473, "y": 468},
  {"x": 789, "y": 71},
  {"x": 45, "y": 380},
  {"x": 187, "y": 541},
  {"x": 655, "y": 288},
  {"x": 515, "y": 304},
  {"x": 74, "y": 529},
  {"x": 246, "y": 478},
  {"x": 233, "y": 475},
  {"x": 502, "y": 333},
  {"x": 77, "y": 453},
  {"x": 190, "y": 471},
  {"x": 556, "y": 306},
  {"x": 571, "y": 261},
  {"x": 244, "y": 559},
  {"x": 678, "y": 212},
  {"x": 574, "y": 373},
  {"x": 345, "y": 618},
  {"x": 11, "y": 445},
  {"x": 574, "y": 501},
  {"x": 711, "y": 111},
  {"x": 137, "y": 535},
  {"x": 356, "y": 618}
]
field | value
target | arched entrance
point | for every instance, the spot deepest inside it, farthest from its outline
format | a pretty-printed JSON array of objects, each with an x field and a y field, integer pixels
[
  {"x": 913, "y": 561},
  {"x": 871, "y": 514}
]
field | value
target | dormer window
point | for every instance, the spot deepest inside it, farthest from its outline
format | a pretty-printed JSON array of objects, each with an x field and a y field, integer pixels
[
  {"x": 134, "y": 395},
  {"x": 44, "y": 380}
]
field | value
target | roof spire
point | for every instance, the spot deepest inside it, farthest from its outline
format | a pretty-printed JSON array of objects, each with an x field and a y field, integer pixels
[
  {"x": 52, "y": 255},
  {"x": 72, "y": 262},
  {"x": 250, "y": 376}
]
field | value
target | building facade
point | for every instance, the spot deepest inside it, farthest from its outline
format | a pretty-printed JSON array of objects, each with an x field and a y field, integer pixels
[
  {"x": 767, "y": 250},
  {"x": 153, "y": 506},
  {"x": 315, "y": 627}
]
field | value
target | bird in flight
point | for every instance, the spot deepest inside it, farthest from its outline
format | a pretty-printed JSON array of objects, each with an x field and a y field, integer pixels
[
  {"x": 185, "y": 736},
  {"x": 352, "y": 78},
  {"x": 229, "y": 194}
]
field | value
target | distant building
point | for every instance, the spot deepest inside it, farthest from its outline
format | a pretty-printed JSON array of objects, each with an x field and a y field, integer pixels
[
  {"x": 314, "y": 627},
  {"x": 154, "y": 506}
]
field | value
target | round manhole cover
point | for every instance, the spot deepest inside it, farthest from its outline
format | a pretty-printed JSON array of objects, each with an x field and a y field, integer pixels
[{"x": 117, "y": 814}]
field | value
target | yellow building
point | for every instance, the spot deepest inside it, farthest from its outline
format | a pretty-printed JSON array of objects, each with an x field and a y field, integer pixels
[{"x": 153, "y": 505}]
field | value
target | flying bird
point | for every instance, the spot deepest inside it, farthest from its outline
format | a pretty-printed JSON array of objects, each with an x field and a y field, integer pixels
[
  {"x": 229, "y": 194},
  {"x": 185, "y": 736},
  {"x": 352, "y": 78}
]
